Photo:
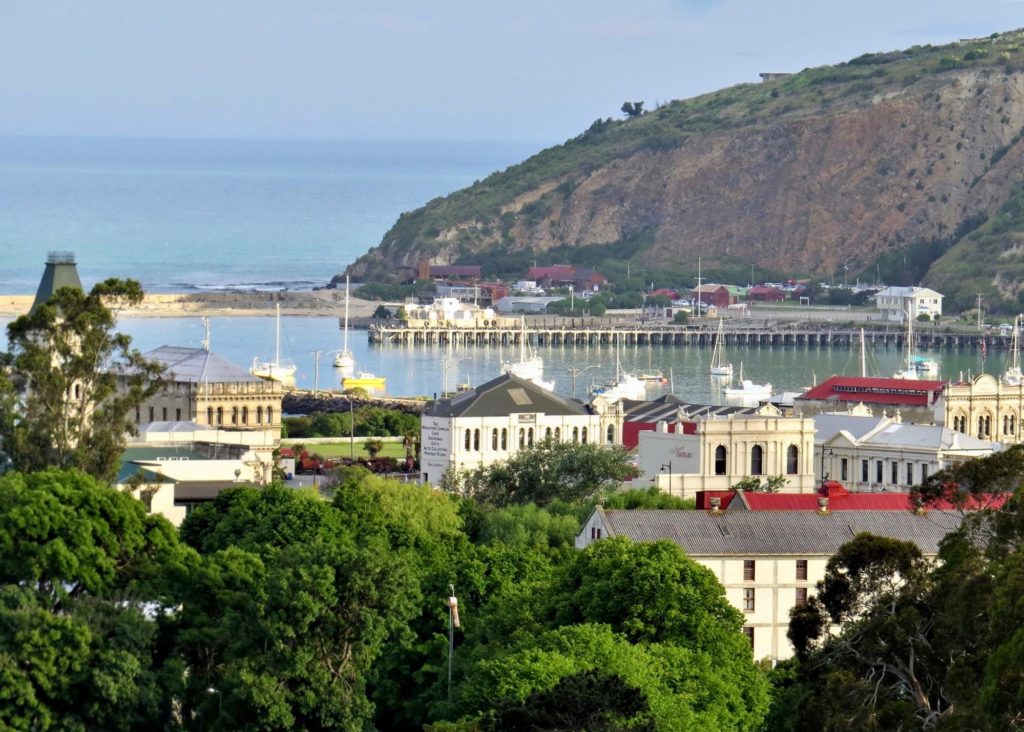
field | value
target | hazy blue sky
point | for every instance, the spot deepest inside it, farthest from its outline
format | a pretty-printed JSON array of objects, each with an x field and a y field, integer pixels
[{"x": 413, "y": 69}]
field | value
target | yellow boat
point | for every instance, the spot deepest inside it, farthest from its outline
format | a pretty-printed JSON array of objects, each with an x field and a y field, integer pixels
[{"x": 364, "y": 379}]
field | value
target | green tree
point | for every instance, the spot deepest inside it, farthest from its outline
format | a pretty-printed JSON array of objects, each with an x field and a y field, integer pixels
[
  {"x": 69, "y": 384},
  {"x": 647, "y": 498},
  {"x": 680, "y": 317},
  {"x": 382, "y": 313},
  {"x": 632, "y": 109},
  {"x": 83, "y": 573},
  {"x": 567, "y": 471}
]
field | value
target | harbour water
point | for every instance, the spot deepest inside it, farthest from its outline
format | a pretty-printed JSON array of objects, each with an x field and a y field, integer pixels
[{"x": 425, "y": 371}]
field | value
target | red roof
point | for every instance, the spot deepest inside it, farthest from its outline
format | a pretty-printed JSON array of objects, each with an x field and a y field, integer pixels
[
  {"x": 557, "y": 272},
  {"x": 874, "y": 390}
]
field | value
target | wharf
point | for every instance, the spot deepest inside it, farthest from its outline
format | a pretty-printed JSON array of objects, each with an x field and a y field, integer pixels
[{"x": 768, "y": 334}]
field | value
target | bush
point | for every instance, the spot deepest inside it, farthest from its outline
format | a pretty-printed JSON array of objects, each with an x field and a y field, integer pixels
[
  {"x": 680, "y": 317},
  {"x": 924, "y": 318}
]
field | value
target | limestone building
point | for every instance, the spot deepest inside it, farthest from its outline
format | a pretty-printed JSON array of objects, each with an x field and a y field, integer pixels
[
  {"x": 986, "y": 407},
  {"x": 493, "y": 421}
]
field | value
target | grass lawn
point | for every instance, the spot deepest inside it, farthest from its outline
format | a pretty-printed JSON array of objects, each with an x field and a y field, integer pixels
[{"x": 341, "y": 449}]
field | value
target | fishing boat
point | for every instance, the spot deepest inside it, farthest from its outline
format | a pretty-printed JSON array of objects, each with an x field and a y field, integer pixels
[
  {"x": 530, "y": 366},
  {"x": 719, "y": 366},
  {"x": 344, "y": 358},
  {"x": 275, "y": 370},
  {"x": 1013, "y": 376},
  {"x": 748, "y": 390},
  {"x": 364, "y": 380}
]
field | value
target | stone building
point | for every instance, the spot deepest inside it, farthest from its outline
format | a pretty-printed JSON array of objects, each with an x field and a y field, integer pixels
[{"x": 986, "y": 407}]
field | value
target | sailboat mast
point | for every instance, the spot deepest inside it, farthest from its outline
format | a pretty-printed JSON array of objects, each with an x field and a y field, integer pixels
[
  {"x": 863, "y": 356},
  {"x": 345, "y": 339},
  {"x": 277, "y": 337}
]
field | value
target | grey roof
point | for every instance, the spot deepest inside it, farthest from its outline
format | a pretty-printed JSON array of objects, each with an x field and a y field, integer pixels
[
  {"x": 196, "y": 365},
  {"x": 671, "y": 408},
  {"x": 701, "y": 533},
  {"x": 826, "y": 425},
  {"x": 504, "y": 395},
  {"x": 60, "y": 272},
  {"x": 171, "y": 426}
]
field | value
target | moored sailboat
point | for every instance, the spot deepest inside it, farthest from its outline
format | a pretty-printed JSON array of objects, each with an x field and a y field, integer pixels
[
  {"x": 719, "y": 366},
  {"x": 275, "y": 370},
  {"x": 344, "y": 358}
]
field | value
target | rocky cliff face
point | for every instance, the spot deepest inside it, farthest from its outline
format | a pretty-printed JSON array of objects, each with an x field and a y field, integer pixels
[{"x": 818, "y": 173}]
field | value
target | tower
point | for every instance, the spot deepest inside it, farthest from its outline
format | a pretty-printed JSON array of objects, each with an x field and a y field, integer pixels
[{"x": 60, "y": 272}]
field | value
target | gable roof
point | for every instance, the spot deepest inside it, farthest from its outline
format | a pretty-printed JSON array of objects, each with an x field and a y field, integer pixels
[
  {"x": 504, "y": 395},
  {"x": 799, "y": 533},
  {"x": 874, "y": 390},
  {"x": 196, "y": 365}
]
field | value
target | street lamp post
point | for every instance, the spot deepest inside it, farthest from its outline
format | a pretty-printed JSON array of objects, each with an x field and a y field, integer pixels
[
  {"x": 824, "y": 451},
  {"x": 669, "y": 466},
  {"x": 574, "y": 372}
]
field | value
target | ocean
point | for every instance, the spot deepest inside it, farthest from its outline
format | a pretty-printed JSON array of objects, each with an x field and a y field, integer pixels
[{"x": 182, "y": 215}]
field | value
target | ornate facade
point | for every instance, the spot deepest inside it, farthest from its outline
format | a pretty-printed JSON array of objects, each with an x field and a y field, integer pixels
[{"x": 986, "y": 407}]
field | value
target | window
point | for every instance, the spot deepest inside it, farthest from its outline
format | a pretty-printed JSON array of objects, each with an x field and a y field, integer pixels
[
  {"x": 504, "y": 438},
  {"x": 558, "y": 434},
  {"x": 801, "y": 596},
  {"x": 209, "y": 415},
  {"x": 924, "y": 472},
  {"x": 583, "y": 436},
  {"x": 595, "y": 532},
  {"x": 749, "y": 632},
  {"x": 220, "y": 415},
  {"x": 878, "y": 471},
  {"x": 259, "y": 415},
  {"x": 757, "y": 460},
  {"x": 610, "y": 437},
  {"x": 863, "y": 471},
  {"x": 748, "y": 570},
  {"x": 177, "y": 414},
  {"x": 801, "y": 569},
  {"x": 467, "y": 439},
  {"x": 234, "y": 415},
  {"x": 529, "y": 437},
  {"x": 152, "y": 418},
  {"x": 720, "y": 460},
  {"x": 270, "y": 415},
  {"x": 138, "y": 414},
  {"x": 575, "y": 434},
  {"x": 245, "y": 415},
  {"x": 748, "y": 599},
  {"x": 476, "y": 440},
  {"x": 792, "y": 460},
  {"x": 522, "y": 438},
  {"x": 163, "y": 414},
  {"x": 910, "y": 474},
  {"x": 844, "y": 469},
  {"x": 547, "y": 433},
  {"x": 895, "y": 472},
  {"x": 494, "y": 439},
  {"x": 1013, "y": 424}
]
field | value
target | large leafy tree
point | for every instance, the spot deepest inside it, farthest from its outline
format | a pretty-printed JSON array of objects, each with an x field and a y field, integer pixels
[
  {"x": 83, "y": 573},
  {"x": 565, "y": 471},
  {"x": 61, "y": 404}
]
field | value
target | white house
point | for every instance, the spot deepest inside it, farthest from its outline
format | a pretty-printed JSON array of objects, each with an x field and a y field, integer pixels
[
  {"x": 495, "y": 420},
  {"x": 767, "y": 561},
  {"x": 714, "y": 453},
  {"x": 882, "y": 454},
  {"x": 895, "y": 303}
]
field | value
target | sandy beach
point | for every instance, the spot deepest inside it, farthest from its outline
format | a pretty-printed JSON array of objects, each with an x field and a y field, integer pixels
[{"x": 225, "y": 304}]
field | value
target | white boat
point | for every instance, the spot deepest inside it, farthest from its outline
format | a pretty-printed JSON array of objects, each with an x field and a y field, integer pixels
[
  {"x": 719, "y": 366},
  {"x": 275, "y": 370},
  {"x": 625, "y": 386},
  {"x": 926, "y": 366},
  {"x": 1013, "y": 376},
  {"x": 344, "y": 358},
  {"x": 530, "y": 366},
  {"x": 909, "y": 370},
  {"x": 748, "y": 390}
]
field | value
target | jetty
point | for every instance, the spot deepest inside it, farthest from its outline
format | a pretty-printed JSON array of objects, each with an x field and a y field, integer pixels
[{"x": 762, "y": 333}]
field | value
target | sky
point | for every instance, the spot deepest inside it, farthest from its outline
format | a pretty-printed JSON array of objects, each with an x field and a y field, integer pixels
[{"x": 530, "y": 70}]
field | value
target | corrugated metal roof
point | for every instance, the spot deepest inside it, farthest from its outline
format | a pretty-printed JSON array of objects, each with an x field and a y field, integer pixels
[
  {"x": 874, "y": 390},
  {"x": 800, "y": 533},
  {"x": 196, "y": 365}
]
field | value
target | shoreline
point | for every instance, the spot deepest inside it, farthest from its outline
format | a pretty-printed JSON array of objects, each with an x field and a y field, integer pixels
[{"x": 315, "y": 303}]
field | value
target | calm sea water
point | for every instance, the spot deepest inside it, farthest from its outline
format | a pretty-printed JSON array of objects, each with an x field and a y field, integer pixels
[{"x": 180, "y": 214}]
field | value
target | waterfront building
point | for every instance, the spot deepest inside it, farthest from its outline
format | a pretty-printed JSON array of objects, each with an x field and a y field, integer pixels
[
  {"x": 894, "y": 304},
  {"x": 630, "y": 417},
  {"x": 717, "y": 452},
  {"x": 917, "y": 401},
  {"x": 867, "y": 453},
  {"x": 495, "y": 420},
  {"x": 767, "y": 561},
  {"x": 986, "y": 407},
  {"x": 719, "y": 296}
]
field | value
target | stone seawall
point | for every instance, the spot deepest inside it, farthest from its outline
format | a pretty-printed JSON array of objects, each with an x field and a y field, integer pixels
[{"x": 307, "y": 403}]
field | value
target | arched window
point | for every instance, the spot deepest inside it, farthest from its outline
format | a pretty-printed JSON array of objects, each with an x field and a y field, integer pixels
[
  {"x": 494, "y": 439},
  {"x": 259, "y": 415},
  {"x": 529, "y": 437},
  {"x": 245, "y": 415},
  {"x": 522, "y": 438},
  {"x": 504, "y": 438},
  {"x": 611, "y": 434},
  {"x": 575, "y": 434},
  {"x": 1013, "y": 424},
  {"x": 584, "y": 436},
  {"x": 547, "y": 433},
  {"x": 209, "y": 415},
  {"x": 720, "y": 460},
  {"x": 792, "y": 460},
  {"x": 988, "y": 426},
  {"x": 234, "y": 415},
  {"x": 220, "y": 415},
  {"x": 981, "y": 426},
  {"x": 476, "y": 440},
  {"x": 467, "y": 439},
  {"x": 270, "y": 415},
  {"x": 1006, "y": 424},
  {"x": 558, "y": 434},
  {"x": 757, "y": 460}
]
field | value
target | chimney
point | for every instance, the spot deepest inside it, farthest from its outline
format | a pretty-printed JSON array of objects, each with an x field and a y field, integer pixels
[
  {"x": 823, "y": 504},
  {"x": 716, "y": 504}
]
